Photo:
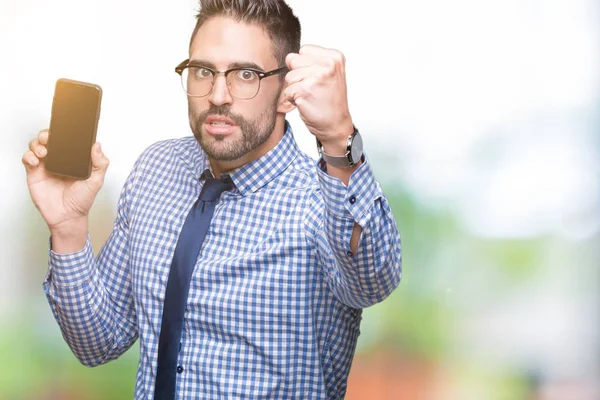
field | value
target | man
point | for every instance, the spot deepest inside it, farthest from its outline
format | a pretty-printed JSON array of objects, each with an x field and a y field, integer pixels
[{"x": 257, "y": 291}]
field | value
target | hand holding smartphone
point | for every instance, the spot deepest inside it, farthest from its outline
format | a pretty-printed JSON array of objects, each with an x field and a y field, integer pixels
[
  {"x": 67, "y": 151},
  {"x": 73, "y": 127}
]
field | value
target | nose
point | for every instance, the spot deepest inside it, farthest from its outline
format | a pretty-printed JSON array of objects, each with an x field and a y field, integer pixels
[{"x": 220, "y": 92}]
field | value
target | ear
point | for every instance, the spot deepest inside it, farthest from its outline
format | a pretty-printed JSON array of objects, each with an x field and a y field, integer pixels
[{"x": 284, "y": 106}]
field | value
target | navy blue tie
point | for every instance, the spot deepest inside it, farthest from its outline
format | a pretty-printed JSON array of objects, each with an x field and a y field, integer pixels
[{"x": 186, "y": 253}]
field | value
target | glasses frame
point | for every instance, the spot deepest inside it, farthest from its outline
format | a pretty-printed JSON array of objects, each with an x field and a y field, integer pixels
[{"x": 261, "y": 75}]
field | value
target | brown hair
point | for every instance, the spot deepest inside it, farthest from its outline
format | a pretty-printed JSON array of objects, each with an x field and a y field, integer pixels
[{"x": 277, "y": 18}]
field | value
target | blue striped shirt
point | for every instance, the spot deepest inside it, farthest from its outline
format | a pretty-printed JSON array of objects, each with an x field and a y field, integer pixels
[{"x": 276, "y": 297}]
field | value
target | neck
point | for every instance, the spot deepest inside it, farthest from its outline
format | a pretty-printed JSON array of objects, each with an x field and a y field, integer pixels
[{"x": 219, "y": 167}]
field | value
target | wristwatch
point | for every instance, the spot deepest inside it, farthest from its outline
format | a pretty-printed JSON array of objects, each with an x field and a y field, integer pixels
[{"x": 354, "y": 152}]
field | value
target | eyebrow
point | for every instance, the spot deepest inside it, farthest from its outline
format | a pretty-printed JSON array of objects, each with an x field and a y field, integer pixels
[{"x": 238, "y": 64}]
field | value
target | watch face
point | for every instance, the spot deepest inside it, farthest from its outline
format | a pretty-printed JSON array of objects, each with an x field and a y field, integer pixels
[{"x": 357, "y": 148}]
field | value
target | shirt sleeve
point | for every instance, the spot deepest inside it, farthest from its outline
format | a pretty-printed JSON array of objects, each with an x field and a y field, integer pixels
[
  {"x": 91, "y": 299},
  {"x": 367, "y": 277}
]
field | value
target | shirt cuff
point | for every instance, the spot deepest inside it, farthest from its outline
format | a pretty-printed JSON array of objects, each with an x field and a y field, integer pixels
[
  {"x": 70, "y": 269},
  {"x": 354, "y": 201}
]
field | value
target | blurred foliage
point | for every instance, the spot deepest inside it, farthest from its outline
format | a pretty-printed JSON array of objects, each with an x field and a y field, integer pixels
[
  {"x": 446, "y": 271},
  {"x": 439, "y": 258},
  {"x": 414, "y": 319},
  {"x": 38, "y": 365}
]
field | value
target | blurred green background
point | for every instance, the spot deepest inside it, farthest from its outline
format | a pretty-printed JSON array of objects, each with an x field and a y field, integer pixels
[{"x": 481, "y": 120}]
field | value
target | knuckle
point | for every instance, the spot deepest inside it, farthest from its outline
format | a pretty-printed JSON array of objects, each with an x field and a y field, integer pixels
[
  {"x": 339, "y": 57},
  {"x": 29, "y": 157},
  {"x": 326, "y": 72},
  {"x": 331, "y": 64},
  {"x": 289, "y": 58},
  {"x": 306, "y": 85},
  {"x": 288, "y": 78}
]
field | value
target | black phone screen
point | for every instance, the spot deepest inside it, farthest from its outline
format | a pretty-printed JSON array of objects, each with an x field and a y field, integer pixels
[{"x": 75, "y": 113}]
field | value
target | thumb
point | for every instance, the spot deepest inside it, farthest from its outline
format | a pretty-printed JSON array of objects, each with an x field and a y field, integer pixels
[
  {"x": 99, "y": 163},
  {"x": 288, "y": 60},
  {"x": 99, "y": 160}
]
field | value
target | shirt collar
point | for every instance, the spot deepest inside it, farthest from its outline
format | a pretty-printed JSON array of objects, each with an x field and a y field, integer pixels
[
  {"x": 191, "y": 155},
  {"x": 252, "y": 176},
  {"x": 257, "y": 173}
]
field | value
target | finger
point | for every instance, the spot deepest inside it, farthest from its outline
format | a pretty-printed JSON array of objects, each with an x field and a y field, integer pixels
[
  {"x": 30, "y": 160},
  {"x": 291, "y": 93},
  {"x": 321, "y": 53},
  {"x": 39, "y": 150},
  {"x": 36, "y": 169},
  {"x": 43, "y": 137},
  {"x": 296, "y": 93},
  {"x": 99, "y": 159},
  {"x": 313, "y": 50},
  {"x": 33, "y": 144},
  {"x": 295, "y": 61},
  {"x": 99, "y": 166},
  {"x": 298, "y": 75},
  {"x": 323, "y": 56}
]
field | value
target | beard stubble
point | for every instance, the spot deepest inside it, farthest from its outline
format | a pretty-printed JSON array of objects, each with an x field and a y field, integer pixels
[{"x": 253, "y": 133}]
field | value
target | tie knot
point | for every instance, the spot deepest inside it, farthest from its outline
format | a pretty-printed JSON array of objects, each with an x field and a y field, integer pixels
[{"x": 214, "y": 187}]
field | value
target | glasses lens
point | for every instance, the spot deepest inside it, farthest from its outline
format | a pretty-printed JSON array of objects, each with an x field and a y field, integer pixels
[
  {"x": 197, "y": 81},
  {"x": 243, "y": 83}
]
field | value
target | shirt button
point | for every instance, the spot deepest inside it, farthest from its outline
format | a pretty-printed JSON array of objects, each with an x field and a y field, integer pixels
[
  {"x": 352, "y": 199},
  {"x": 349, "y": 253},
  {"x": 179, "y": 369}
]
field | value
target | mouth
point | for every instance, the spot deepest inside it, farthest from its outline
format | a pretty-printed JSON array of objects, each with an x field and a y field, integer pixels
[
  {"x": 219, "y": 125},
  {"x": 219, "y": 120}
]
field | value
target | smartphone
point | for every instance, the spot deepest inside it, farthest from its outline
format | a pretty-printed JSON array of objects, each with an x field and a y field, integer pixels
[{"x": 73, "y": 126}]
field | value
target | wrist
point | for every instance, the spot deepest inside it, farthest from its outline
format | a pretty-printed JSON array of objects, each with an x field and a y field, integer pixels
[
  {"x": 335, "y": 148},
  {"x": 69, "y": 236},
  {"x": 350, "y": 156},
  {"x": 336, "y": 141}
]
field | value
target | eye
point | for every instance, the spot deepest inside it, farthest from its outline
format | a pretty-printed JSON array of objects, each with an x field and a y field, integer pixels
[
  {"x": 246, "y": 75},
  {"x": 203, "y": 73}
]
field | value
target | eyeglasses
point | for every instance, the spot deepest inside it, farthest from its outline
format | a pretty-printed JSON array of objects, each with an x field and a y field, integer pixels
[{"x": 243, "y": 83}]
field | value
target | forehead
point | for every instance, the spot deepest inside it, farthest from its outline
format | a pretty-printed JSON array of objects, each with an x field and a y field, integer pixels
[{"x": 224, "y": 41}]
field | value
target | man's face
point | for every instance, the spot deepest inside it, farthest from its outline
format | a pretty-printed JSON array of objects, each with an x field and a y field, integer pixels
[{"x": 224, "y": 44}]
